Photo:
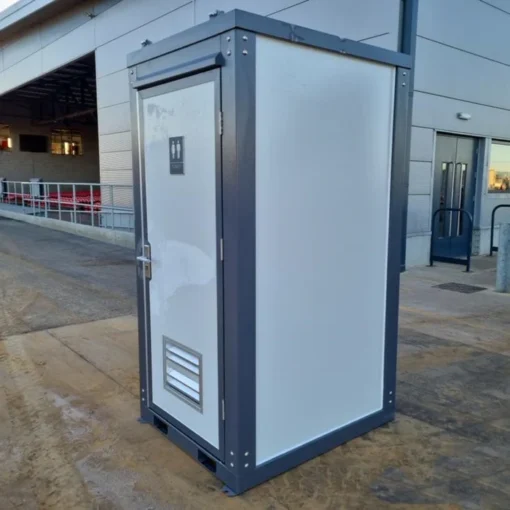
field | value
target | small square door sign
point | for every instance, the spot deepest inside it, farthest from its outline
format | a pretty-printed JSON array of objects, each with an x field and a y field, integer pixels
[{"x": 177, "y": 155}]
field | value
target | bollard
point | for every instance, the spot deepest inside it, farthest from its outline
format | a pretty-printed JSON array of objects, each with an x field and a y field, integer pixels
[{"x": 503, "y": 267}]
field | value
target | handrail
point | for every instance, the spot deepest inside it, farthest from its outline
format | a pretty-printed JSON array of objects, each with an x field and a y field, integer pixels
[
  {"x": 469, "y": 243},
  {"x": 493, "y": 216}
]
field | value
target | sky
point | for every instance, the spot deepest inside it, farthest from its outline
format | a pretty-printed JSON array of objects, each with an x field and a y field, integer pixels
[{"x": 6, "y": 3}]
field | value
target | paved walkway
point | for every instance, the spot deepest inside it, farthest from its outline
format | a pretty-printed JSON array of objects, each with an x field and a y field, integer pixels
[{"x": 69, "y": 438}]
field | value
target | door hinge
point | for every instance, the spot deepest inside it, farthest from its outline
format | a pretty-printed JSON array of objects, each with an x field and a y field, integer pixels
[
  {"x": 223, "y": 409},
  {"x": 221, "y": 249},
  {"x": 220, "y": 122},
  {"x": 145, "y": 259}
]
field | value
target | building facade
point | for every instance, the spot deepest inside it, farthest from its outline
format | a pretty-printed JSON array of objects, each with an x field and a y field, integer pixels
[{"x": 460, "y": 152}]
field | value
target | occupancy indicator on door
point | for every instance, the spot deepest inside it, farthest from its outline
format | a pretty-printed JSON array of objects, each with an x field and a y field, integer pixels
[{"x": 177, "y": 155}]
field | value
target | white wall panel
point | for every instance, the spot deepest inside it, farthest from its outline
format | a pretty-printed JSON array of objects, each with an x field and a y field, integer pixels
[
  {"x": 116, "y": 160},
  {"x": 112, "y": 57},
  {"x": 452, "y": 73},
  {"x": 349, "y": 18},
  {"x": 264, "y": 7},
  {"x": 422, "y": 144},
  {"x": 441, "y": 113},
  {"x": 114, "y": 119},
  {"x": 68, "y": 48},
  {"x": 319, "y": 358},
  {"x": 113, "y": 89},
  {"x": 420, "y": 178},
  {"x": 128, "y": 15},
  {"x": 418, "y": 214},
  {"x": 467, "y": 24},
  {"x": 116, "y": 142}
]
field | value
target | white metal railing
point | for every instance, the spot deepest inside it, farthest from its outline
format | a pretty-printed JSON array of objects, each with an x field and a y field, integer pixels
[{"x": 98, "y": 205}]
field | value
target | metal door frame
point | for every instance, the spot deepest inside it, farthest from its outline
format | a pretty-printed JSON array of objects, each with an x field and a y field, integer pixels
[
  {"x": 153, "y": 90},
  {"x": 469, "y": 202}
]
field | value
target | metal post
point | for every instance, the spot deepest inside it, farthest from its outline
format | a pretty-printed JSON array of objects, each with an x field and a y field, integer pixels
[
  {"x": 46, "y": 196},
  {"x": 74, "y": 203},
  {"x": 58, "y": 202},
  {"x": 92, "y": 204},
  {"x": 111, "y": 205},
  {"x": 493, "y": 217},
  {"x": 503, "y": 266}
]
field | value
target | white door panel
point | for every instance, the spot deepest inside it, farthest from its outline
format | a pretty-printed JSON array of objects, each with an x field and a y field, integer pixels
[{"x": 181, "y": 229}]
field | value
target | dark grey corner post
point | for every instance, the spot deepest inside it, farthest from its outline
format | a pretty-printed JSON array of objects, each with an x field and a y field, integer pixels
[{"x": 408, "y": 28}]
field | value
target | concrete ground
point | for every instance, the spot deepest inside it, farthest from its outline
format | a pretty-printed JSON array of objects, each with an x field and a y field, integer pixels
[
  {"x": 69, "y": 438},
  {"x": 50, "y": 279}
]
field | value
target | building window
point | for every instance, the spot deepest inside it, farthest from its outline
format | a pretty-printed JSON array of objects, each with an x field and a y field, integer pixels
[
  {"x": 33, "y": 143},
  {"x": 66, "y": 142},
  {"x": 499, "y": 168},
  {"x": 5, "y": 138}
]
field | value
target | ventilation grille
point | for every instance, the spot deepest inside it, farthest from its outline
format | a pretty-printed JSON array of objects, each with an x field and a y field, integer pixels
[{"x": 183, "y": 372}]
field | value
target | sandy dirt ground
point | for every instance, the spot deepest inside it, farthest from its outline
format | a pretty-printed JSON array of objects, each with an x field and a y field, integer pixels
[{"x": 70, "y": 439}]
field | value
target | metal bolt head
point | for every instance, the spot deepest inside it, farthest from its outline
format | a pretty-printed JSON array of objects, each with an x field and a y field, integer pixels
[
  {"x": 232, "y": 453},
  {"x": 404, "y": 74},
  {"x": 229, "y": 53},
  {"x": 245, "y": 52},
  {"x": 246, "y": 454},
  {"x": 246, "y": 465},
  {"x": 404, "y": 84},
  {"x": 245, "y": 38},
  {"x": 229, "y": 39},
  {"x": 231, "y": 464}
]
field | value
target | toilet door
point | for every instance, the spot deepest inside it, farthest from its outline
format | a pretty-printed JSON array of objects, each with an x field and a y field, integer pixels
[{"x": 181, "y": 161}]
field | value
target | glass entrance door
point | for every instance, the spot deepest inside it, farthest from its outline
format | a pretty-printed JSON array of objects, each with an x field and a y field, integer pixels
[{"x": 453, "y": 189}]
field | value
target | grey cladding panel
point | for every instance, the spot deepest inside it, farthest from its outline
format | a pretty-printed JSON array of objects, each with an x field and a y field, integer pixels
[
  {"x": 116, "y": 142},
  {"x": 69, "y": 47},
  {"x": 128, "y": 15},
  {"x": 420, "y": 175},
  {"x": 113, "y": 89},
  {"x": 112, "y": 56},
  {"x": 114, "y": 119},
  {"x": 470, "y": 25},
  {"x": 63, "y": 24},
  {"x": 264, "y": 7},
  {"x": 116, "y": 160},
  {"x": 422, "y": 144},
  {"x": 348, "y": 18},
  {"x": 452, "y": 73},
  {"x": 418, "y": 214},
  {"x": 503, "y": 5},
  {"x": 441, "y": 113},
  {"x": 22, "y": 47}
]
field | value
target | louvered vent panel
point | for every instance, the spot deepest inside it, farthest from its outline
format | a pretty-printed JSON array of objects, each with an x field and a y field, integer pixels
[{"x": 183, "y": 372}]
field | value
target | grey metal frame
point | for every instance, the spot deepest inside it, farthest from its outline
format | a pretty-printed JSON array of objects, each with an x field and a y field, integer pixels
[{"x": 228, "y": 42}]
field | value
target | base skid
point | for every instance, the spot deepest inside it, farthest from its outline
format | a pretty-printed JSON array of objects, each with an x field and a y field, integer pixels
[
  {"x": 236, "y": 483},
  {"x": 229, "y": 492}
]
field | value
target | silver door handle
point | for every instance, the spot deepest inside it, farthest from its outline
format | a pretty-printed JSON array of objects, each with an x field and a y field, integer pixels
[{"x": 143, "y": 259}]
